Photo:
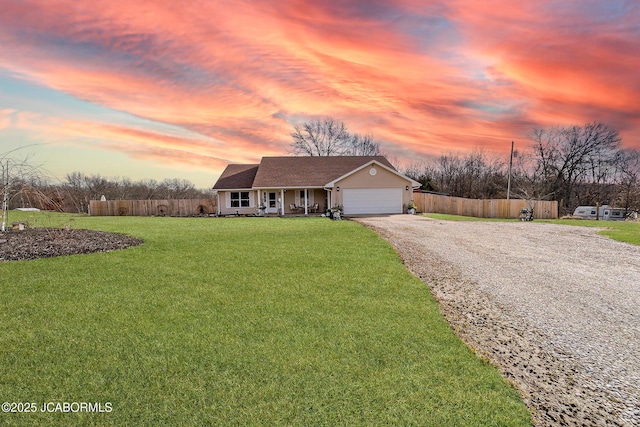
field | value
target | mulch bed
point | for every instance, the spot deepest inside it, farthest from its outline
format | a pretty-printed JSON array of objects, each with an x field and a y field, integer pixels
[{"x": 50, "y": 242}]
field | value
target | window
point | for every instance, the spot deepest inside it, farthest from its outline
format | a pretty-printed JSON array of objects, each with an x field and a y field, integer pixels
[
  {"x": 240, "y": 199},
  {"x": 302, "y": 201}
]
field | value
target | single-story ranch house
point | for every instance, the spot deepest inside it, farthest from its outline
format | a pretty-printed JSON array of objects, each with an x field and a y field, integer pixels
[{"x": 313, "y": 184}]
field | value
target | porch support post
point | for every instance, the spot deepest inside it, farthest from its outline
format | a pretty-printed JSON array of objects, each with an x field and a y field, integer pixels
[
  {"x": 259, "y": 201},
  {"x": 306, "y": 201},
  {"x": 282, "y": 201}
]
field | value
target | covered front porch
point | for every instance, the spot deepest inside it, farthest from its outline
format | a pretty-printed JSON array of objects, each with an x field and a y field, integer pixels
[{"x": 293, "y": 201}]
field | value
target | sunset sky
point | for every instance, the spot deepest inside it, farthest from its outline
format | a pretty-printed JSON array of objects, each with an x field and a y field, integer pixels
[{"x": 178, "y": 89}]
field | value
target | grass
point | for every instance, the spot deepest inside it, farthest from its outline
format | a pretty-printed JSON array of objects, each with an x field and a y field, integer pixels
[
  {"x": 623, "y": 231},
  {"x": 239, "y": 321}
]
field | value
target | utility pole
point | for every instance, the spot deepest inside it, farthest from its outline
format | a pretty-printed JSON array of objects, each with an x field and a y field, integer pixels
[{"x": 509, "y": 178}]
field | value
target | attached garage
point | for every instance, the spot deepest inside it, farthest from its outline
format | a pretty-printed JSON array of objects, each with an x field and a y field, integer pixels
[{"x": 361, "y": 201}]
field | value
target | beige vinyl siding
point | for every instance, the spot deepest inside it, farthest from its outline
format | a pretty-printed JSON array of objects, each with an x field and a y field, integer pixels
[
  {"x": 227, "y": 209},
  {"x": 363, "y": 179}
]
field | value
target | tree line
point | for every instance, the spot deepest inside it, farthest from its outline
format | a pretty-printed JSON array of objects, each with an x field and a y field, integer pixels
[
  {"x": 575, "y": 165},
  {"x": 74, "y": 193}
]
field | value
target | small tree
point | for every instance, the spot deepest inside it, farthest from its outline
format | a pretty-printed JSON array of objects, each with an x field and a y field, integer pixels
[
  {"x": 5, "y": 193},
  {"x": 18, "y": 177}
]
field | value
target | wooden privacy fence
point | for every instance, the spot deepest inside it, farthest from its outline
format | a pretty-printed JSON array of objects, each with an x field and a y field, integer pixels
[
  {"x": 176, "y": 207},
  {"x": 484, "y": 208}
]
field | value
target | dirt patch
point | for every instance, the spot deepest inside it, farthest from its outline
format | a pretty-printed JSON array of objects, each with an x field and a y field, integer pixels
[{"x": 46, "y": 242}]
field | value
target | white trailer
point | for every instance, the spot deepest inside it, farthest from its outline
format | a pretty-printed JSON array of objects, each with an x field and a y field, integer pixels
[{"x": 604, "y": 212}]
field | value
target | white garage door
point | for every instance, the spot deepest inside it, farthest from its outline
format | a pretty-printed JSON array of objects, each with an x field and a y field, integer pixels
[{"x": 372, "y": 201}]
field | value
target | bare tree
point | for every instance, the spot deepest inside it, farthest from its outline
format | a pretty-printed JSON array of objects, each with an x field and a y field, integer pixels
[
  {"x": 123, "y": 188},
  {"x": 629, "y": 179},
  {"x": 5, "y": 192},
  {"x": 424, "y": 172},
  {"x": 20, "y": 178},
  {"x": 363, "y": 146},
  {"x": 75, "y": 186},
  {"x": 329, "y": 137},
  {"x": 84, "y": 188},
  {"x": 178, "y": 189},
  {"x": 567, "y": 157},
  {"x": 147, "y": 189},
  {"x": 528, "y": 180},
  {"x": 473, "y": 175}
]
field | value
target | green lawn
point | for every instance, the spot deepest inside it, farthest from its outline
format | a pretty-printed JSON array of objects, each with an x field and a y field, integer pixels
[
  {"x": 238, "y": 321},
  {"x": 623, "y": 231}
]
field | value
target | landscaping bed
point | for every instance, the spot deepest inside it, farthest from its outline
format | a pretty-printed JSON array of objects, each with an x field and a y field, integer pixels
[{"x": 35, "y": 243}]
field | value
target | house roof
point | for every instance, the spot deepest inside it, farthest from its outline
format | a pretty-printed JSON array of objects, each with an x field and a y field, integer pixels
[
  {"x": 294, "y": 172},
  {"x": 308, "y": 171},
  {"x": 236, "y": 176}
]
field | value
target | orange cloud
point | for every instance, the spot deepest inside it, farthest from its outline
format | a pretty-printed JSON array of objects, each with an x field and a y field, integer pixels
[{"x": 571, "y": 64}]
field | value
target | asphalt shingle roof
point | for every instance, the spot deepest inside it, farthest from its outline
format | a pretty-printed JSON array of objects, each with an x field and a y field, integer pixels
[
  {"x": 236, "y": 177},
  {"x": 278, "y": 172},
  {"x": 308, "y": 171}
]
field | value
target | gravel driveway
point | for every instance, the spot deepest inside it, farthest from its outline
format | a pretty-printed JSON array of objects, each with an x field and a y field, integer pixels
[{"x": 555, "y": 308}]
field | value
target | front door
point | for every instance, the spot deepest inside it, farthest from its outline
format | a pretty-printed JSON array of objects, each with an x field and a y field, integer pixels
[{"x": 272, "y": 202}]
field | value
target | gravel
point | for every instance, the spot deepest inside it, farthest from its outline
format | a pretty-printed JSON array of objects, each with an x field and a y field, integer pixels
[
  {"x": 555, "y": 308},
  {"x": 35, "y": 243}
]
